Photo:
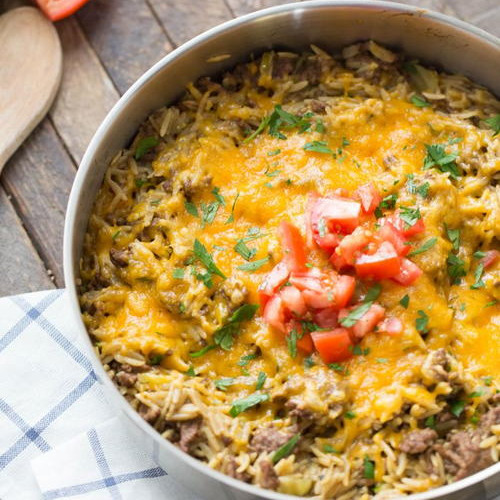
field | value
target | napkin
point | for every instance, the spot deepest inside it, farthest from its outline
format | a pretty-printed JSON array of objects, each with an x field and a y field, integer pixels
[{"x": 59, "y": 438}]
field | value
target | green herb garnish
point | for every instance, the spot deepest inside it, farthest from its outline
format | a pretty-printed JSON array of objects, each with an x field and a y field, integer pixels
[
  {"x": 327, "y": 448},
  {"x": 309, "y": 362},
  {"x": 178, "y": 273},
  {"x": 261, "y": 380},
  {"x": 291, "y": 342},
  {"x": 410, "y": 216},
  {"x": 156, "y": 359},
  {"x": 421, "y": 322},
  {"x": 274, "y": 152},
  {"x": 494, "y": 124},
  {"x": 453, "y": 236},
  {"x": 191, "y": 209},
  {"x": 223, "y": 337},
  {"x": 253, "y": 266},
  {"x": 419, "y": 101},
  {"x": 349, "y": 414},
  {"x": 208, "y": 212},
  {"x": 430, "y": 422},
  {"x": 246, "y": 252},
  {"x": 241, "y": 405},
  {"x": 479, "y": 283},
  {"x": 115, "y": 235},
  {"x": 145, "y": 145},
  {"x": 426, "y": 246},
  {"x": 223, "y": 383},
  {"x": 286, "y": 449},
  {"x": 405, "y": 301},
  {"x": 456, "y": 268},
  {"x": 457, "y": 407},
  {"x": 190, "y": 372},
  {"x": 231, "y": 217},
  {"x": 437, "y": 157},
  {"x": 203, "y": 351},
  {"x": 218, "y": 196},
  {"x": 422, "y": 189},
  {"x": 317, "y": 147},
  {"x": 355, "y": 315},
  {"x": 368, "y": 468},
  {"x": 381, "y": 360},
  {"x": 246, "y": 359},
  {"x": 201, "y": 253}
]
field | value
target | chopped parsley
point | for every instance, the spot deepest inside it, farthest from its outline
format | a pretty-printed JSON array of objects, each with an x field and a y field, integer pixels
[
  {"x": 381, "y": 360},
  {"x": 223, "y": 383},
  {"x": 494, "y": 124},
  {"x": 178, "y": 273},
  {"x": 203, "y": 351},
  {"x": 274, "y": 152},
  {"x": 115, "y": 235},
  {"x": 253, "y": 266},
  {"x": 320, "y": 127},
  {"x": 224, "y": 336},
  {"x": 246, "y": 252},
  {"x": 261, "y": 380},
  {"x": 368, "y": 468},
  {"x": 231, "y": 217},
  {"x": 355, "y": 315},
  {"x": 286, "y": 449},
  {"x": 457, "y": 407},
  {"x": 373, "y": 293},
  {"x": 246, "y": 359},
  {"x": 220, "y": 199},
  {"x": 437, "y": 157},
  {"x": 387, "y": 202},
  {"x": 479, "y": 254},
  {"x": 156, "y": 359},
  {"x": 291, "y": 342},
  {"x": 410, "y": 216},
  {"x": 456, "y": 268},
  {"x": 309, "y": 362},
  {"x": 338, "y": 368},
  {"x": 422, "y": 189},
  {"x": 145, "y": 145},
  {"x": 453, "y": 236},
  {"x": 405, "y": 300},
  {"x": 274, "y": 173},
  {"x": 491, "y": 304},
  {"x": 419, "y": 101},
  {"x": 477, "y": 394},
  {"x": 479, "y": 283},
  {"x": 358, "y": 351},
  {"x": 430, "y": 422},
  {"x": 349, "y": 414},
  {"x": 209, "y": 211},
  {"x": 241, "y": 405},
  {"x": 318, "y": 147},
  {"x": 487, "y": 380},
  {"x": 327, "y": 448},
  {"x": 201, "y": 253},
  {"x": 421, "y": 322},
  {"x": 191, "y": 208},
  {"x": 190, "y": 372},
  {"x": 426, "y": 246}
]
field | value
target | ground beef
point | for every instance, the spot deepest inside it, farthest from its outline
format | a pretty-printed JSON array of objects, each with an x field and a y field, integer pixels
[
  {"x": 436, "y": 366},
  {"x": 461, "y": 453},
  {"x": 317, "y": 106},
  {"x": 283, "y": 65},
  {"x": 126, "y": 379},
  {"x": 148, "y": 413},
  {"x": 119, "y": 258},
  {"x": 231, "y": 469},
  {"x": 189, "y": 431},
  {"x": 418, "y": 441},
  {"x": 269, "y": 479},
  {"x": 268, "y": 440}
]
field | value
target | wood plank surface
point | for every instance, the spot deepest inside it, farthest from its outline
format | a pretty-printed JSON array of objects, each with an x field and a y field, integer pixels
[
  {"x": 39, "y": 178},
  {"x": 114, "y": 28},
  {"x": 21, "y": 269}
]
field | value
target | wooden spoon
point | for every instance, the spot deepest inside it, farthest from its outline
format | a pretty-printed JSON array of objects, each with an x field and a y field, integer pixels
[{"x": 30, "y": 73}]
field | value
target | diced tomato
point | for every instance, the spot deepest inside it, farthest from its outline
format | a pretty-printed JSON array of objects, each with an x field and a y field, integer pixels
[
  {"x": 490, "y": 258},
  {"x": 344, "y": 289},
  {"x": 369, "y": 196},
  {"x": 338, "y": 262},
  {"x": 311, "y": 200},
  {"x": 403, "y": 228},
  {"x": 333, "y": 346},
  {"x": 339, "y": 215},
  {"x": 292, "y": 299},
  {"x": 325, "y": 318},
  {"x": 388, "y": 232},
  {"x": 391, "y": 326},
  {"x": 353, "y": 243},
  {"x": 59, "y": 9},
  {"x": 367, "y": 322},
  {"x": 383, "y": 264},
  {"x": 293, "y": 245},
  {"x": 305, "y": 343},
  {"x": 328, "y": 242},
  {"x": 274, "y": 313},
  {"x": 273, "y": 280},
  {"x": 409, "y": 273}
]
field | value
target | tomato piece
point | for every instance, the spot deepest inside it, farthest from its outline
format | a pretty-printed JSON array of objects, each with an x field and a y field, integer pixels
[
  {"x": 274, "y": 313},
  {"x": 59, "y": 9},
  {"x": 294, "y": 254},
  {"x": 490, "y": 258},
  {"x": 292, "y": 299},
  {"x": 352, "y": 244},
  {"x": 273, "y": 280},
  {"x": 402, "y": 227},
  {"x": 384, "y": 263},
  {"x": 325, "y": 318},
  {"x": 369, "y": 196},
  {"x": 367, "y": 322},
  {"x": 344, "y": 290},
  {"x": 333, "y": 345},
  {"x": 305, "y": 343},
  {"x": 338, "y": 261},
  {"x": 335, "y": 214},
  {"x": 391, "y": 326},
  {"x": 409, "y": 273},
  {"x": 388, "y": 232}
]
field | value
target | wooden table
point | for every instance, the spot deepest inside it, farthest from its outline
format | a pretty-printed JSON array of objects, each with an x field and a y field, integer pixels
[{"x": 107, "y": 46}]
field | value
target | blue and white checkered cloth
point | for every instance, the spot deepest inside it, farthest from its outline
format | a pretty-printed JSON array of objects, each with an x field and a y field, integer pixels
[{"x": 59, "y": 438}]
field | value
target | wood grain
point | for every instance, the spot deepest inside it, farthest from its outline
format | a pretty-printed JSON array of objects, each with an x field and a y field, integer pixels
[
  {"x": 184, "y": 20},
  {"x": 20, "y": 267},
  {"x": 39, "y": 178},
  {"x": 240, "y": 7},
  {"x": 126, "y": 36},
  {"x": 86, "y": 94}
]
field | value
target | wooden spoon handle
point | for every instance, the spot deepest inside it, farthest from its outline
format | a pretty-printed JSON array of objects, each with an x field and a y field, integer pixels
[{"x": 30, "y": 73}]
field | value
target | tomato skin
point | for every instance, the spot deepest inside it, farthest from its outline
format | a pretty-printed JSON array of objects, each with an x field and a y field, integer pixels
[
  {"x": 353, "y": 243},
  {"x": 326, "y": 318},
  {"x": 384, "y": 263},
  {"x": 274, "y": 313},
  {"x": 400, "y": 225},
  {"x": 333, "y": 345},
  {"x": 369, "y": 197},
  {"x": 409, "y": 273},
  {"x": 273, "y": 280},
  {"x": 292, "y": 299},
  {"x": 305, "y": 344},
  {"x": 367, "y": 322},
  {"x": 294, "y": 254},
  {"x": 340, "y": 215},
  {"x": 388, "y": 232},
  {"x": 56, "y": 10},
  {"x": 344, "y": 290},
  {"x": 391, "y": 326}
]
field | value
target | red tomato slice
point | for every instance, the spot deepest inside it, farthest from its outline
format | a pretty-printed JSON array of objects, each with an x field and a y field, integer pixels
[
  {"x": 326, "y": 318},
  {"x": 338, "y": 262},
  {"x": 409, "y": 273},
  {"x": 352, "y": 244},
  {"x": 294, "y": 254},
  {"x": 335, "y": 214},
  {"x": 384, "y": 263},
  {"x": 305, "y": 344},
  {"x": 59, "y": 9},
  {"x": 391, "y": 326},
  {"x": 333, "y": 346},
  {"x": 367, "y": 322},
  {"x": 490, "y": 258},
  {"x": 402, "y": 227},
  {"x": 273, "y": 280},
  {"x": 369, "y": 196},
  {"x": 292, "y": 299},
  {"x": 389, "y": 233},
  {"x": 274, "y": 313}
]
